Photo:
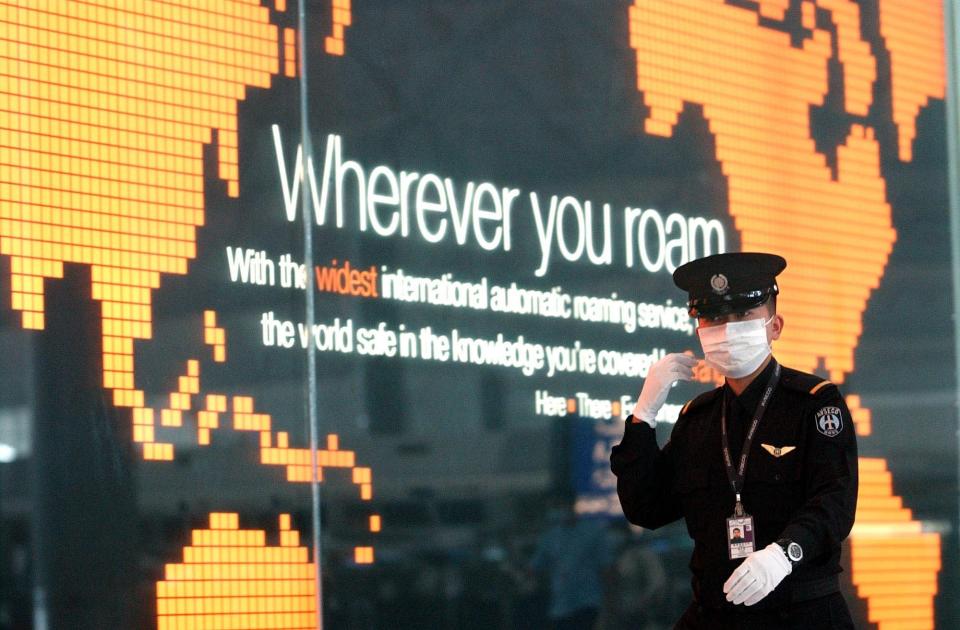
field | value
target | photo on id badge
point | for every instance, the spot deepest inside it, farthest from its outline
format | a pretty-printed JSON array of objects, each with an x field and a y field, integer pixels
[{"x": 740, "y": 536}]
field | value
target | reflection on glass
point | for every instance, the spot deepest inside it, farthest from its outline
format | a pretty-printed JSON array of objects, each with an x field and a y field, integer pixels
[{"x": 497, "y": 196}]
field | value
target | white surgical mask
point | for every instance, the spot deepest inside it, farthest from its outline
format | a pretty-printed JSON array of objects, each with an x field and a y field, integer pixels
[{"x": 735, "y": 349}]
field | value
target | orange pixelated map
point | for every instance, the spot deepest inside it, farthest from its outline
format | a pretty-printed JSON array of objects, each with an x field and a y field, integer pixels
[
  {"x": 756, "y": 89},
  {"x": 106, "y": 107},
  {"x": 104, "y": 128},
  {"x": 231, "y": 578}
]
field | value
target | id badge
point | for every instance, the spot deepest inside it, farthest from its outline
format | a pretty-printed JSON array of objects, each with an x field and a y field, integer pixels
[{"x": 740, "y": 536}]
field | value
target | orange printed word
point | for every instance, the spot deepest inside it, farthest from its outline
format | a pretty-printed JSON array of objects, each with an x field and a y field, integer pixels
[{"x": 347, "y": 280}]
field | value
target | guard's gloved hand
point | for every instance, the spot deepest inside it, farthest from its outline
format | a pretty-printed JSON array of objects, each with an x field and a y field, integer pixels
[
  {"x": 662, "y": 374},
  {"x": 758, "y": 575}
]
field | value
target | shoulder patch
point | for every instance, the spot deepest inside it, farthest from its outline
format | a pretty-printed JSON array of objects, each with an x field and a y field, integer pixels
[
  {"x": 700, "y": 400},
  {"x": 829, "y": 421}
]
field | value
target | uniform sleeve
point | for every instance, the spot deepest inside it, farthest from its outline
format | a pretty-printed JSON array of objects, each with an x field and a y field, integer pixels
[
  {"x": 644, "y": 477},
  {"x": 830, "y": 477}
]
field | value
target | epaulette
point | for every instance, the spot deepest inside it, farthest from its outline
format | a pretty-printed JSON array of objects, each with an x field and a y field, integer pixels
[
  {"x": 700, "y": 400},
  {"x": 801, "y": 381}
]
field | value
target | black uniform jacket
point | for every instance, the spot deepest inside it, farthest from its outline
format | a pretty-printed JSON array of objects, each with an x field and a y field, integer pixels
[{"x": 805, "y": 491}]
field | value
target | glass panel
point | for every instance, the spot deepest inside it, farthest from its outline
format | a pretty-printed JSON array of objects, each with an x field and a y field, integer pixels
[
  {"x": 499, "y": 194},
  {"x": 156, "y": 459}
]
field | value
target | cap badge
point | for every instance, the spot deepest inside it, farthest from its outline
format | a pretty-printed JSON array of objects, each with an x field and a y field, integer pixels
[{"x": 719, "y": 284}]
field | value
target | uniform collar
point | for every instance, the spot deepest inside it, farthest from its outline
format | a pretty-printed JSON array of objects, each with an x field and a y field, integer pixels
[{"x": 750, "y": 397}]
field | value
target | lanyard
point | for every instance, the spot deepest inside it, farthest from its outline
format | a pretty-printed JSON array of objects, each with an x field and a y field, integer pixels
[{"x": 736, "y": 478}]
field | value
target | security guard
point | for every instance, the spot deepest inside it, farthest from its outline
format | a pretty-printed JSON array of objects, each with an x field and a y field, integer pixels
[{"x": 772, "y": 454}]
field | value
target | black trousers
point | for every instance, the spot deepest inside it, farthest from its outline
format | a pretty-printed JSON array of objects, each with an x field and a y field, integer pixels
[{"x": 824, "y": 613}]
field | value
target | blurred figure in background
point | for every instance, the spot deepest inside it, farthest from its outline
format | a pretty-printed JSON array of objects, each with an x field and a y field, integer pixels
[
  {"x": 575, "y": 557},
  {"x": 640, "y": 597}
]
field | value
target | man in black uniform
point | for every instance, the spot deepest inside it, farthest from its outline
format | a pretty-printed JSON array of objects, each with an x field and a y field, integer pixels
[{"x": 772, "y": 452}]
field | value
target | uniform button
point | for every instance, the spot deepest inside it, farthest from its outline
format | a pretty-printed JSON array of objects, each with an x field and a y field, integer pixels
[{"x": 776, "y": 477}]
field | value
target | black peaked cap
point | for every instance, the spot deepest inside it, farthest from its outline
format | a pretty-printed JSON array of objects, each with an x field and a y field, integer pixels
[{"x": 726, "y": 283}]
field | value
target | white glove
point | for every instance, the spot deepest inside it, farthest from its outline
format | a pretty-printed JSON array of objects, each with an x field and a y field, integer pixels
[
  {"x": 661, "y": 376},
  {"x": 758, "y": 575}
]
